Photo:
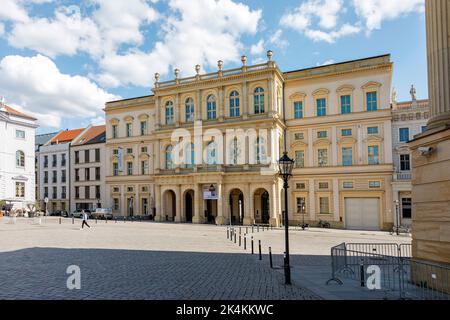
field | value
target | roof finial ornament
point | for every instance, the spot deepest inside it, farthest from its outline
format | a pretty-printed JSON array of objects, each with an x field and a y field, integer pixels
[
  {"x": 413, "y": 93},
  {"x": 220, "y": 65},
  {"x": 394, "y": 98},
  {"x": 244, "y": 60},
  {"x": 157, "y": 79},
  {"x": 269, "y": 55}
]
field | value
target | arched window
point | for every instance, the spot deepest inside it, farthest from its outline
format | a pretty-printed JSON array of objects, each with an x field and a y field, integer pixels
[
  {"x": 235, "y": 151},
  {"x": 169, "y": 158},
  {"x": 258, "y": 100},
  {"x": 211, "y": 154},
  {"x": 261, "y": 150},
  {"x": 20, "y": 159},
  {"x": 169, "y": 112},
  {"x": 211, "y": 107},
  {"x": 189, "y": 110},
  {"x": 234, "y": 104},
  {"x": 190, "y": 156}
]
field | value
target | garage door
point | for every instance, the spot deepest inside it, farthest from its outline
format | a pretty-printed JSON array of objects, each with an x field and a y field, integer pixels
[{"x": 362, "y": 213}]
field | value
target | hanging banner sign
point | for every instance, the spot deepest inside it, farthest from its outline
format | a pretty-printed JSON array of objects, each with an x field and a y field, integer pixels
[
  {"x": 210, "y": 192},
  {"x": 120, "y": 156}
]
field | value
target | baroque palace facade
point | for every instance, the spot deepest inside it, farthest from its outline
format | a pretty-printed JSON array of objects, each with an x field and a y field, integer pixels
[{"x": 204, "y": 149}]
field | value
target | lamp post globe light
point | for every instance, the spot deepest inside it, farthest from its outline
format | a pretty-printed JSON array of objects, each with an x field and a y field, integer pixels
[{"x": 285, "y": 165}]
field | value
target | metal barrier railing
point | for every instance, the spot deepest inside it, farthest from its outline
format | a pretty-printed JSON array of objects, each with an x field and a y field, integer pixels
[{"x": 400, "y": 275}]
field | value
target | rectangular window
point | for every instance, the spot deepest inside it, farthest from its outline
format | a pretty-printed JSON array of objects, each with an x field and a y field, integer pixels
[
  {"x": 46, "y": 192},
  {"x": 143, "y": 128},
  {"x": 63, "y": 160},
  {"x": 87, "y": 192},
  {"x": 324, "y": 203},
  {"x": 77, "y": 192},
  {"x": 322, "y": 134},
  {"x": 55, "y": 193},
  {"x": 300, "y": 186},
  {"x": 63, "y": 176},
  {"x": 372, "y": 130},
  {"x": 54, "y": 177},
  {"x": 298, "y": 110},
  {"x": 374, "y": 184},
  {"x": 115, "y": 152},
  {"x": 87, "y": 174},
  {"x": 323, "y": 185},
  {"x": 321, "y": 107},
  {"x": 300, "y": 159},
  {"x": 345, "y": 104},
  {"x": 424, "y": 128},
  {"x": 116, "y": 189},
  {"x": 346, "y": 132},
  {"x": 406, "y": 208},
  {"x": 97, "y": 174},
  {"x": 348, "y": 185},
  {"x": 323, "y": 157},
  {"x": 129, "y": 150},
  {"x": 144, "y": 167},
  {"x": 20, "y": 189},
  {"x": 405, "y": 162},
  {"x": 373, "y": 155},
  {"x": 97, "y": 155},
  {"x": 20, "y": 134},
  {"x": 372, "y": 104},
  {"x": 45, "y": 161},
  {"x": 77, "y": 157},
  {"x": 77, "y": 174},
  {"x": 54, "y": 160},
  {"x": 63, "y": 192},
  {"x": 87, "y": 156},
  {"x": 130, "y": 168},
  {"x": 144, "y": 150},
  {"x": 115, "y": 169},
  {"x": 403, "y": 134},
  {"x": 301, "y": 205},
  {"x": 347, "y": 156},
  {"x": 299, "y": 136},
  {"x": 114, "y": 131},
  {"x": 129, "y": 129},
  {"x": 116, "y": 206},
  {"x": 97, "y": 192},
  {"x": 45, "y": 176}
]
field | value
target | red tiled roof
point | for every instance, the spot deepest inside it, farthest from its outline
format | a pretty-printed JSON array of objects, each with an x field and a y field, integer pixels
[
  {"x": 91, "y": 134},
  {"x": 66, "y": 136},
  {"x": 408, "y": 104},
  {"x": 18, "y": 113}
]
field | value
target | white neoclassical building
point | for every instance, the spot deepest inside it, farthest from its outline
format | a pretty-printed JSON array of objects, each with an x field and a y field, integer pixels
[{"x": 17, "y": 164}]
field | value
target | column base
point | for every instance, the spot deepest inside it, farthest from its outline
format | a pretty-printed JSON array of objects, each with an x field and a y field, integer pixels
[
  {"x": 221, "y": 221},
  {"x": 274, "y": 222},
  {"x": 178, "y": 219},
  {"x": 198, "y": 220},
  {"x": 158, "y": 218},
  {"x": 248, "y": 221}
]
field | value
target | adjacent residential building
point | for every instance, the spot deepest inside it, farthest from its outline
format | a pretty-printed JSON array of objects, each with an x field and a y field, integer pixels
[
  {"x": 204, "y": 149},
  {"x": 409, "y": 119},
  {"x": 87, "y": 170},
  {"x": 17, "y": 163},
  {"x": 40, "y": 140},
  {"x": 54, "y": 170}
]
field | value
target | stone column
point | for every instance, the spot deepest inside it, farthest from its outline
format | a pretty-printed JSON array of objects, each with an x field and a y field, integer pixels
[
  {"x": 249, "y": 212},
  {"x": 199, "y": 216},
  {"x": 198, "y": 106},
  {"x": 157, "y": 112},
  {"x": 179, "y": 215},
  {"x": 274, "y": 215},
  {"x": 177, "y": 110},
  {"x": 158, "y": 203},
  {"x": 221, "y": 105},
  {"x": 244, "y": 100},
  {"x": 221, "y": 219},
  {"x": 438, "y": 49}
]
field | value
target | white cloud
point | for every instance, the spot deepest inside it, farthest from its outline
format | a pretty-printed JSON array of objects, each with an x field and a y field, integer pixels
[
  {"x": 68, "y": 32},
  {"x": 98, "y": 121},
  {"x": 257, "y": 48},
  {"x": 2, "y": 29},
  {"x": 13, "y": 10},
  {"x": 195, "y": 32},
  {"x": 326, "y": 63},
  {"x": 36, "y": 84},
  {"x": 374, "y": 12},
  {"x": 277, "y": 39}
]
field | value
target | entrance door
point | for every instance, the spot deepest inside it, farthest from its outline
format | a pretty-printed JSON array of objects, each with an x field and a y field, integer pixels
[
  {"x": 362, "y": 213},
  {"x": 265, "y": 207},
  {"x": 188, "y": 207}
]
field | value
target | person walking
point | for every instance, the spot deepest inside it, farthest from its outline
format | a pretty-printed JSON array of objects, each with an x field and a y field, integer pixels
[{"x": 85, "y": 217}]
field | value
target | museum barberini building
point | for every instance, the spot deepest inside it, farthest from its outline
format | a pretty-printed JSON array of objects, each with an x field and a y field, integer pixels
[{"x": 204, "y": 149}]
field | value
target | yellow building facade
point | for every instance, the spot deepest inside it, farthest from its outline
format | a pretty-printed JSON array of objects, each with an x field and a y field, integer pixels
[{"x": 204, "y": 149}]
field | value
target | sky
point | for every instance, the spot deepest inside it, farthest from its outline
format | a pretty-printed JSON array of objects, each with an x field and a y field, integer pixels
[{"x": 61, "y": 60}]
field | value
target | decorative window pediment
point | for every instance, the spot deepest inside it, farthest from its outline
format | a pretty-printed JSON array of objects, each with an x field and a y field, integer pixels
[
  {"x": 143, "y": 117},
  {"x": 114, "y": 121},
  {"x": 322, "y": 142},
  {"x": 299, "y": 144},
  {"x": 345, "y": 88},
  {"x": 129, "y": 157},
  {"x": 373, "y": 138},
  {"x": 144, "y": 156},
  {"x": 128, "y": 119},
  {"x": 297, "y": 96},
  {"x": 347, "y": 140},
  {"x": 321, "y": 92},
  {"x": 371, "y": 85},
  {"x": 114, "y": 158}
]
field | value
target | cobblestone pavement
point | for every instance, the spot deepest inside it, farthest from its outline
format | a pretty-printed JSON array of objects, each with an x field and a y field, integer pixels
[{"x": 132, "y": 261}]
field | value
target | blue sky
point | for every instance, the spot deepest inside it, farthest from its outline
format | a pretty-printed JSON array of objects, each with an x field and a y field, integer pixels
[{"x": 61, "y": 60}]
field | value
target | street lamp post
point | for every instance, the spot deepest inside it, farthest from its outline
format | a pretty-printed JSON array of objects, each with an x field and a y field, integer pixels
[
  {"x": 302, "y": 209},
  {"x": 286, "y": 165},
  {"x": 397, "y": 216}
]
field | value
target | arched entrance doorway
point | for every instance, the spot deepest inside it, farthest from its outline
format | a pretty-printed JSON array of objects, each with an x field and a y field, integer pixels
[
  {"x": 262, "y": 206},
  {"x": 237, "y": 206},
  {"x": 169, "y": 206},
  {"x": 189, "y": 205}
]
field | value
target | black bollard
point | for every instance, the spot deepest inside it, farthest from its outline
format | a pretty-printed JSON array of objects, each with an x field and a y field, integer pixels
[
  {"x": 239, "y": 240},
  {"x": 253, "y": 250},
  {"x": 245, "y": 241},
  {"x": 235, "y": 237},
  {"x": 246, "y": 230},
  {"x": 228, "y": 233},
  {"x": 260, "y": 253},
  {"x": 270, "y": 258}
]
